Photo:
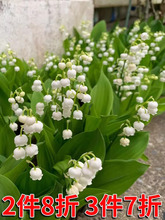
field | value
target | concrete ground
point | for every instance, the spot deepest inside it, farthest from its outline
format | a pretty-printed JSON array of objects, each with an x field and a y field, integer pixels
[{"x": 153, "y": 181}]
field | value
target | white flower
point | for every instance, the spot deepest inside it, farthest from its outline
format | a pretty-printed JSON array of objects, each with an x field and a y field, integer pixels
[
  {"x": 62, "y": 65},
  {"x": 16, "y": 68},
  {"x": 85, "y": 181},
  {"x": 11, "y": 100},
  {"x": 65, "y": 82},
  {"x": 13, "y": 126},
  {"x": 144, "y": 36},
  {"x": 67, "y": 134},
  {"x": 56, "y": 84},
  {"x": 141, "y": 111},
  {"x": 3, "y": 70},
  {"x": 157, "y": 49},
  {"x": 78, "y": 115},
  {"x": 22, "y": 118},
  {"x": 40, "y": 106},
  {"x": 110, "y": 59},
  {"x": 47, "y": 98},
  {"x": 4, "y": 62},
  {"x": 95, "y": 164},
  {"x": 83, "y": 89},
  {"x": 36, "y": 173},
  {"x": 129, "y": 131},
  {"x": 86, "y": 69},
  {"x": 79, "y": 69},
  {"x": 124, "y": 142},
  {"x": 110, "y": 69},
  {"x": 38, "y": 127},
  {"x": 36, "y": 88},
  {"x": 124, "y": 56},
  {"x": 20, "y": 140},
  {"x": 31, "y": 150},
  {"x": 66, "y": 113},
  {"x": 153, "y": 58},
  {"x": 18, "y": 111},
  {"x": 86, "y": 98},
  {"x": 144, "y": 87},
  {"x": 73, "y": 190},
  {"x": 14, "y": 106},
  {"x": 75, "y": 172},
  {"x": 19, "y": 153},
  {"x": 138, "y": 125},
  {"x": 152, "y": 105},
  {"x": 67, "y": 103},
  {"x": 30, "y": 120},
  {"x": 71, "y": 93},
  {"x": 87, "y": 172},
  {"x": 152, "y": 111},
  {"x": 145, "y": 116},
  {"x": 81, "y": 78},
  {"x": 139, "y": 99},
  {"x": 39, "y": 112},
  {"x": 28, "y": 129},
  {"x": 71, "y": 73},
  {"x": 80, "y": 95},
  {"x": 57, "y": 116},
  {"x": 53, "y": 108},
  {"x": 79, "y": 186}
]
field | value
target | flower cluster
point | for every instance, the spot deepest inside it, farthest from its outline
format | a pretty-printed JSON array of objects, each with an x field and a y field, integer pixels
[
  {"x": 67, "y": 91},
  {"x": 143, "y": 115},
  {"x": 15, "y": 99},
  {"x": 82, "y": 174}
]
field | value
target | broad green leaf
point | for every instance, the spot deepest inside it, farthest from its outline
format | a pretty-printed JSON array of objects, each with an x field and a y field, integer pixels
[
  {"x": 110, "y": 124},
  {"x": 97, "y": 31},
  {"x": 12, "y": 168},
  {"x": 118, "y": 175},
  {"x": 36, "y": 97},
  {"x": 63, "y": 165},
  {"x": 6, "y": 143},
  {"x": 102, "y": 96},
  {"x": 92, "y": 123},
  {"x": 7, "y": 187},
  {"x": 47, "y": 154},
  {"x": 94, "y": 72},
  {"x": 81, "y": 143},
  {"x": 39, "y": 187},
  {"x": 135, "y": 150}
]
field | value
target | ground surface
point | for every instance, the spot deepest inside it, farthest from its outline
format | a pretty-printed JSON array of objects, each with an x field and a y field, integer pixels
[{"x": 153, "y": 181}]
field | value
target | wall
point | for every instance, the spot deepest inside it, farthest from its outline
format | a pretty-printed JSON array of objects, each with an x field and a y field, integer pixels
[{"x": 31, "y": 27}]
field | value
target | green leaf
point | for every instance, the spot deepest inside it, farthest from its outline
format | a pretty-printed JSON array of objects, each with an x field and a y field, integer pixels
[
  {"x": 94, "y": 72},
  {"x": 102, "y": 96},
  {"x": 63, "y": 165},
  {"x": 36, "y": 97},
  {"x": 119, "y": 47},
  {"x": 135, "y": 150},
  {"x": 81, "y": 143},
  {"x": 39, "y": 187},
  {"x": 92, "y": 123},
  {"x": 8, "y": 188},
  {"x": 12, "y": 168},
  {"x": 110, "y": 124},
  {"x": 161, "y": 105},
  {"x": 118, "y": 175},
  {"x": 47, "y": 154},
  {"x": 97, "y": 31},
  {"x": 6, "y": 144},
  {"x": 76, "y": 34}
]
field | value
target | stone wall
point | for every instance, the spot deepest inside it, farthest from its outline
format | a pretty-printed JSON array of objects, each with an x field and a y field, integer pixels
[{"x": 31, "y": 27}]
